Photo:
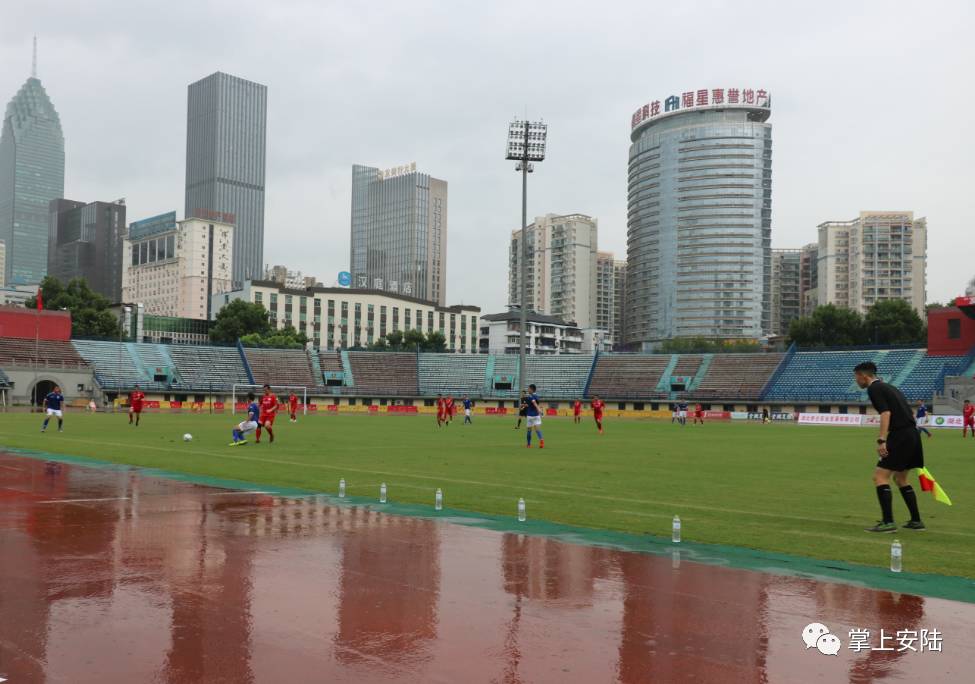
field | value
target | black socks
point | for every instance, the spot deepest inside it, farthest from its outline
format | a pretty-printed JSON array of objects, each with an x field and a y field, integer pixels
[
  {"x": 910, "y": 498},
  {"x": 885, "y": 498}
]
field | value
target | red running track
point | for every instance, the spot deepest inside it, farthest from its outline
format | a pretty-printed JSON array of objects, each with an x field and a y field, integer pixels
[{"x": 110, "y": 576}]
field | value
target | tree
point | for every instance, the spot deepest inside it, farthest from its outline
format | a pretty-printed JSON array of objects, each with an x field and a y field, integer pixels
[
  {"x": 893, "y": 321},
  {"x": 90, "y": 315},
  {"x": 285, "y": 338},
  {"x": 436, "y": 342},
  {"x": 828, "y": 326},
  {"x": 414, "y": 339},
  {"x": 239, "y": 319}
]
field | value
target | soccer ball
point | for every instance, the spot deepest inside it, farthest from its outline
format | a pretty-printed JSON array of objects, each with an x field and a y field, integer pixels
[{"x": 187, "y": 437}]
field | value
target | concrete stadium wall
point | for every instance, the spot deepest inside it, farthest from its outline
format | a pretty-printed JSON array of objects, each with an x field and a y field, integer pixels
[{"x": 69, "y": 380}]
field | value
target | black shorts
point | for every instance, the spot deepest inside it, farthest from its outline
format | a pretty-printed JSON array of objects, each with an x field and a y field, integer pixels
[
  {"x": 904, "y": 450},
  {"x": 523, "y": 413}
]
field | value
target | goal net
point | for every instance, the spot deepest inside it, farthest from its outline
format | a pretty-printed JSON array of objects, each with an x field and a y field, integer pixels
[{"x": 239, "y": 395}]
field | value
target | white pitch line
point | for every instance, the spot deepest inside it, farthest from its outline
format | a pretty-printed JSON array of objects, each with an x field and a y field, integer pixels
[{"x": 63, "y": 501}]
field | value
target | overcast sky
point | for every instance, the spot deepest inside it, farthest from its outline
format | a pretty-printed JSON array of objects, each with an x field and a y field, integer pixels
[{"x": 872, "y": 108}]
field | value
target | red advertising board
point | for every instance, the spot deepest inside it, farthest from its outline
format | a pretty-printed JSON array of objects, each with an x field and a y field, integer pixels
[
  {"x": 175, "y": 405},
  {"x": 494, "y": 411},
  {"x": 334, "y": 408},
  {"x": 718, "y": 415},
  {"x": 373, "y": 409},
  {"x": 400, "y": 409},
  {"x": 218, "y": 406}
]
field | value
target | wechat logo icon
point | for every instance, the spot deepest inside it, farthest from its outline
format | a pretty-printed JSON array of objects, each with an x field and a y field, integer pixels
[{"x": 817, "y": 635}]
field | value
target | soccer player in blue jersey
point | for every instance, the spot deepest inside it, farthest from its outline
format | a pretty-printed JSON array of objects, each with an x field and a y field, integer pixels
[
  {"x": 533, "y": 417},
  {"x": 921, "y": 418},
  {"x": 468, "y": 406},
  {"x": 249, "y": 424},
  {"x": 682, "y": 413},
  {"x": 52, "y": 405}
]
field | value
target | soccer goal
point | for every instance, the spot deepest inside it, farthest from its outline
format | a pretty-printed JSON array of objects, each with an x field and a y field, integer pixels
[{"x": 239, "y": 393}]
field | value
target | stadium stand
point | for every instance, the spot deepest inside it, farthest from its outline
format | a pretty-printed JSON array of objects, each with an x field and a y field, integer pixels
[
  {"x": 828, "y": 375},
  {"x": 115, "y": 365},
  {"x": 687, "y": 365},
  {"x": 505, "y": 365},
  {"x": 629, "y": 376},
  {"x": 15, "y": 351},
  {"x": 559, "y": 377},
  {"x": 742, "y": 376},
  {"x": 385, "y": 373},
  {"x": 331, "y": 362},
  {"x": 927, "y": 377},
  {"x": 281, "y": 367},
  {"x": 452, "y": 374},
  {"x": 208, "y": 368}
]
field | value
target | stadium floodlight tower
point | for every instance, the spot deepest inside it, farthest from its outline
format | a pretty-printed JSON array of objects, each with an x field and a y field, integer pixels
[{"x": 526, "y": 145}]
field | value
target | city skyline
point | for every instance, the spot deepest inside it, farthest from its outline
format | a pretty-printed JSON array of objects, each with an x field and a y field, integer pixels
[{"x": 311, "y": 144}]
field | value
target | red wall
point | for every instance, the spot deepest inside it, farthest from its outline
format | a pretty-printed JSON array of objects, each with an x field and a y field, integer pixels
[
  {"x": 938, "y": 342},
  {"x": 18, "y": 321}
]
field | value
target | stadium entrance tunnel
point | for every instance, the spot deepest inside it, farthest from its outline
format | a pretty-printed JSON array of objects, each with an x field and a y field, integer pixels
[{"x": 40, "y": 390}]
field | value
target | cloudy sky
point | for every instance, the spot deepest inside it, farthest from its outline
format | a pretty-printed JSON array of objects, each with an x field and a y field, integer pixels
[{"x": 872, "y": 103}]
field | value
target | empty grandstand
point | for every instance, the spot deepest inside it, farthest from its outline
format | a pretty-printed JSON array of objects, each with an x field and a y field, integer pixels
[
  {"x": 15, "y": 351},
  {"x": 445, "y": 374},
  {"x": 385, "y": 373},
  {"x": 281, "y": 367},
  {"x": 741, "y": 376},
  {"x": 208, "y": 368},
  {"x": 629, "y": 376}
]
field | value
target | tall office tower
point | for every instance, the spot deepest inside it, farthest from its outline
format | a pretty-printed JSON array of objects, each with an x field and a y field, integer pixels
[
  {"x": 399, "y": 232},
  {"x": 786, "y": 289},
  {"x": 31, "y": 175},
  {"x": 226, "y": 141},
  {"x": 561, "y": 267},
  {"x": 699, "y": 235},
  {"x": 85, "y": 241},
  {"x": 879, "y": 255},
  {"x": 809, "y": 278}
]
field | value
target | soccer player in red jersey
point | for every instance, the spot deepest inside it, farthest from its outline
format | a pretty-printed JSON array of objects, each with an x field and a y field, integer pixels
[
  {"x": 293, "y": 405},
  {"x": 269, "y": 409},
  {"x": 577, "y": 411},
  {"x": 450, "y": 409},
  {"x": 136, "y": 397},
  {"x": 598, "y": 405},
  {"x": 698, "y": 414},
  {"x": 968, "y": 415},
  {"x": 441, "y": 410}
]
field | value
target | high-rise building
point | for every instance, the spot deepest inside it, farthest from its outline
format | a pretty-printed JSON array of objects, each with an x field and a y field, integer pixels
[
  {"x": 85, "y": 241},
  {"x": 699, "y": 217},
  {"x": 561, "y": 268},
  {"x": 606, "y": 293},
  {"x": 786, "y": 289},
  {"x": 226, "y": 141},
  {"x": 878, "y": 256},
  {"x": 809, "y": 277},
  {"x": 619, "y": 302},
  {"x": 31, "y": 175},
  {"x": 175, "y": 267},
  {"x": 399, "y": 232}
]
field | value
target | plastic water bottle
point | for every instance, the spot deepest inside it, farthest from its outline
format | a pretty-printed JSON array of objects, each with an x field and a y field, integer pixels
[
  {"x": 522, "y": 515},
  {"x": 675, "y": 530},
  {"x": 382, "y": 493},
  {"x": 438, "y": 500},
  {"x": 896, "y": 555},
  {"x": 342, "y": 488},
  {"x": 675, "y": 558}
]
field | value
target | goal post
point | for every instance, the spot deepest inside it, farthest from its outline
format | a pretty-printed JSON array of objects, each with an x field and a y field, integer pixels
[{"x": 240, "y": 390}]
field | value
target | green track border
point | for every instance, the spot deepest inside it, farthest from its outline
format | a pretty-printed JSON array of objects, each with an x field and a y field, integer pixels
[{"x": 869, "y": 577}]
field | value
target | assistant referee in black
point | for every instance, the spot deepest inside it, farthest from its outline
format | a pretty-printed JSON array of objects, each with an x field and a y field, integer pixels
[{"x": 898, "y": 445}]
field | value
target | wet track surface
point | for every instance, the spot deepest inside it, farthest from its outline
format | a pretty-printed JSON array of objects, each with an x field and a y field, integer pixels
[{"x": 107, "y": 575}]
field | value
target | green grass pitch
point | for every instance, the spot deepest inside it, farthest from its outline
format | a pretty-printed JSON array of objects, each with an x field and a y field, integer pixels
[{"x": 784, "y": 488}]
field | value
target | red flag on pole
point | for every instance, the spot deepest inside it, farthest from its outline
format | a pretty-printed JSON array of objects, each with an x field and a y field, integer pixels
[{"x": 40, "y": 300}]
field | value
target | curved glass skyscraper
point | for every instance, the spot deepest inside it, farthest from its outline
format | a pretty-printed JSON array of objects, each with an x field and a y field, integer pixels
[{"x": 699, "y": 218}]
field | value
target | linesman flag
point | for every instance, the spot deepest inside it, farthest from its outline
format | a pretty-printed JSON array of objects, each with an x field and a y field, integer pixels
[{"x": 929, "y": 484}]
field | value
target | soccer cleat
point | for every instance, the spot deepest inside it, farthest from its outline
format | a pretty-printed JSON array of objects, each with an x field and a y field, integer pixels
[
  {"x": 529, "y": 446},
  {"x": 541, "y": 444},
  {"x": 882, "y": 527},
  {"x": 914, "y": 525}
]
